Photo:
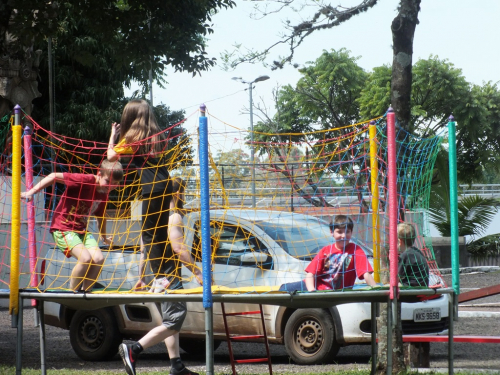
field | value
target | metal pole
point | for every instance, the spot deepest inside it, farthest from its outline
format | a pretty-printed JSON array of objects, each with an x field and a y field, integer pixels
[
  {"x": 251, "y": 145},
  {"x": 389, "y": 337},
  {"x": 41, "y": 319},
  {"x": 451, "y": 308},
  {"x": 374, "y": 337},
  {"x": 19, "y": 347}
]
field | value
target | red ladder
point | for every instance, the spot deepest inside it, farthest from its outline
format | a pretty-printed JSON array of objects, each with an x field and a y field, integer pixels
[{"x": 247, "y": 337}]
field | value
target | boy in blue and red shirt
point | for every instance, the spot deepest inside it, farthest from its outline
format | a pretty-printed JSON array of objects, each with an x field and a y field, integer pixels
[{"x": 336, "y": 266}]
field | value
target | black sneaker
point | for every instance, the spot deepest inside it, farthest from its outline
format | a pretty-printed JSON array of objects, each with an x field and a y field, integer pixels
[
  {"x": 129, "y": 358},
  {"x": 184, "y": 371}
]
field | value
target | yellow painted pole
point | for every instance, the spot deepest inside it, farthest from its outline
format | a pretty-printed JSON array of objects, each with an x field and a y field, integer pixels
[
  {"x": 375, "y": 200},
  {"x": 15, "y": 213}
]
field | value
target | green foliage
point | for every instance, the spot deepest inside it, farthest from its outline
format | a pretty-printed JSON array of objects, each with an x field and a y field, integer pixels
[
  {"x": 375, "y": 97},
  {"x": 439, "y": 89},
  {"x": 485, "y": 246},
  {"x": 325, "y": 97},
  {"x": 327, "y": 92},
  {"x": 233, "y": 167},
  {"x": 88, "y": 90},
  {"x": 475, "y": 213},
  {"x": 180, "y": 152},
  {"x": 89, "y": 93},
  {"x": 146, "y": 34}
]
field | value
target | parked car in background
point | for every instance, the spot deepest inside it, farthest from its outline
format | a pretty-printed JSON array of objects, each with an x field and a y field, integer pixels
[{"x": 250, "y": 248}]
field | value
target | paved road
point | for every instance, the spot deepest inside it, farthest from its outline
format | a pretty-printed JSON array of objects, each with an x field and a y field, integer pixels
[{"x": 467, "y": 356}]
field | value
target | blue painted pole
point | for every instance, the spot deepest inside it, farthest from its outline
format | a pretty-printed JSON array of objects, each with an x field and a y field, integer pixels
[{"x": 206, "y": 253}]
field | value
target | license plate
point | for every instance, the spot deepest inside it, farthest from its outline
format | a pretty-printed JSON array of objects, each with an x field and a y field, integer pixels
[{"x": 426, "y": 315}]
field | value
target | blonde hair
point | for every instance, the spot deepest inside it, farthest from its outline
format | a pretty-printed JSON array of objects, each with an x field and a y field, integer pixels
[
  {"x": 112, "y": 169},
  {"x": 407, "y": 233},
  {"x": 139, "y": 123}
]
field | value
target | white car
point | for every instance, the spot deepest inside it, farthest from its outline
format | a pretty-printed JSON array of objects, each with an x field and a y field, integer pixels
[{"x": 250, "y": 248}]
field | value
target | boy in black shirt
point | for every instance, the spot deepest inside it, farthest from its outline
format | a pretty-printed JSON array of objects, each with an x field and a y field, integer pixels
[{"x": 413, "y": 269}]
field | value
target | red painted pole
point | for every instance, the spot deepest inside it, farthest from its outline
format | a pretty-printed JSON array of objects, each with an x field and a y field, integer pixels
[
  {"x": 28, "y": 165},
  {"x": 392, "y": 178}
]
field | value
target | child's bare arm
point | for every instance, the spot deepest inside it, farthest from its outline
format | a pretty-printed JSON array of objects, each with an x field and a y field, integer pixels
[
  {"x": 368, "y": 277},
  {"x": 176, "y": 237},
  {"x": 46, "y": 181},
  {"x": 101, "y": 224},
  {"x": 112, "y": 155}
]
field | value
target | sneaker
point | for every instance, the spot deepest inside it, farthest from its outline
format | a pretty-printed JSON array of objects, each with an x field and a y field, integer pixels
[
  {"x": 159, "y": 285},
  {"x": 129, "y": 358},
  {"x": 184, "y": 371}
]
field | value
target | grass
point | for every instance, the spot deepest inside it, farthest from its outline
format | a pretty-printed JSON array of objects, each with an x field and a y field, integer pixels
[{"x": 4, "y": 370}]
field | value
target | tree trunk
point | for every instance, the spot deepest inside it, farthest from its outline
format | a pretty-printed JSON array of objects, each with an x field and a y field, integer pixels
[
  {"x": 398, "y": 365},
  {"x": 403, "y": 31}
]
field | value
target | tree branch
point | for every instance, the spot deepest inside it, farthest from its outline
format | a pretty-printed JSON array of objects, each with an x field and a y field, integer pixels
[{"x": 326, "y": 17}]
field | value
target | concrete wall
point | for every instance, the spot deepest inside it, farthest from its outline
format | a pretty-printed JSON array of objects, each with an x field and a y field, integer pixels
[{"x": 442, "y": 251}]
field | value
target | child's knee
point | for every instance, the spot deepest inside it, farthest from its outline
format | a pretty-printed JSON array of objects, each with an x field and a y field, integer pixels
[
  {"x": 85, "y": 258},
  {"x": 98, "y": 259}
]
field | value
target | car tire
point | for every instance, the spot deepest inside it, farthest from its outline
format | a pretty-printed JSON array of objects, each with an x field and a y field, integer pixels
[
  {"x": 196, "y": 347},
  {"x": 94, "y": 334},
  {"x": 310, "y": 337}
]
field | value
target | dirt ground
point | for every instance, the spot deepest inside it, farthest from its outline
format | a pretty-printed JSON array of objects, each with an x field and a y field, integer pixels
[{"x": 60, "y": 355}]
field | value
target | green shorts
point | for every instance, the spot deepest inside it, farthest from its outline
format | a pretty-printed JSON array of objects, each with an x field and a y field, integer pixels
[{"x": 66, "y": 241}]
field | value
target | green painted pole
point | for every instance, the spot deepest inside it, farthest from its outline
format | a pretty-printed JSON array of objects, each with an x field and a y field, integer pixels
[{"x": 452, "y": 154}]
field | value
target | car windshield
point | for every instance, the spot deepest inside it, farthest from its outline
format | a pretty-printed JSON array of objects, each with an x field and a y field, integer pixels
[{"x": 301, "y": 238}]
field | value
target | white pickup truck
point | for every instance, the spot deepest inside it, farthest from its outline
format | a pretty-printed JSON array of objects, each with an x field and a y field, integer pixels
[{"x": 251, "y": 248}]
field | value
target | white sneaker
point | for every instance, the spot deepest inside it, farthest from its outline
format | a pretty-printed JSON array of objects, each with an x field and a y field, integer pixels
[{"x": 159, "y": 285}]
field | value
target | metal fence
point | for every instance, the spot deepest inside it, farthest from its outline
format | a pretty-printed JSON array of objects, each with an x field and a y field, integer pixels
[{"x": 484, "y": 190}]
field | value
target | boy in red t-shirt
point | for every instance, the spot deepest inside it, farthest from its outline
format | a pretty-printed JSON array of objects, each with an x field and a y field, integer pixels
[
  {"x": 85, "y": 195},
  {"x": 336, "y": 266}
]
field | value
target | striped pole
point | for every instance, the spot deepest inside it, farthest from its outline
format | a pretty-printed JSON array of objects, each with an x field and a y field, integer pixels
[
  {"x": 452, "y": 155},
  {"x": 393, "y": 202},
  {"x": 206, "y": 252},
  {"x": 28, "y": 166},
  {"x": 375, "y": 199},
  {"x": 15, "y": 213}
]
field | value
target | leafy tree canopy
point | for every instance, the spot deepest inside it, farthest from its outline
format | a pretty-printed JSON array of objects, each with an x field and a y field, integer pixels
[
  {"x": 334, "y": 91},
  {"x": 146, "y": 34},
  {"x": 324, "y": 98},
  {"x": 439, "y": 90},
  {"x": 234, "y": 166}
]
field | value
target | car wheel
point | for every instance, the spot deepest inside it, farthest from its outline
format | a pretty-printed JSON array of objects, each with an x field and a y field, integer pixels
[
  {"x": 196, "y": 346},
  {"x": 310, "y": 337},
  {"x": 94, "y": 334}
]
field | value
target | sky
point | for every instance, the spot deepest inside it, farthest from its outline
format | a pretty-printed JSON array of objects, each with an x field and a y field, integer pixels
[
  {"x": 462, "y": 31},
  {"x": 457, "y": 30}
]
